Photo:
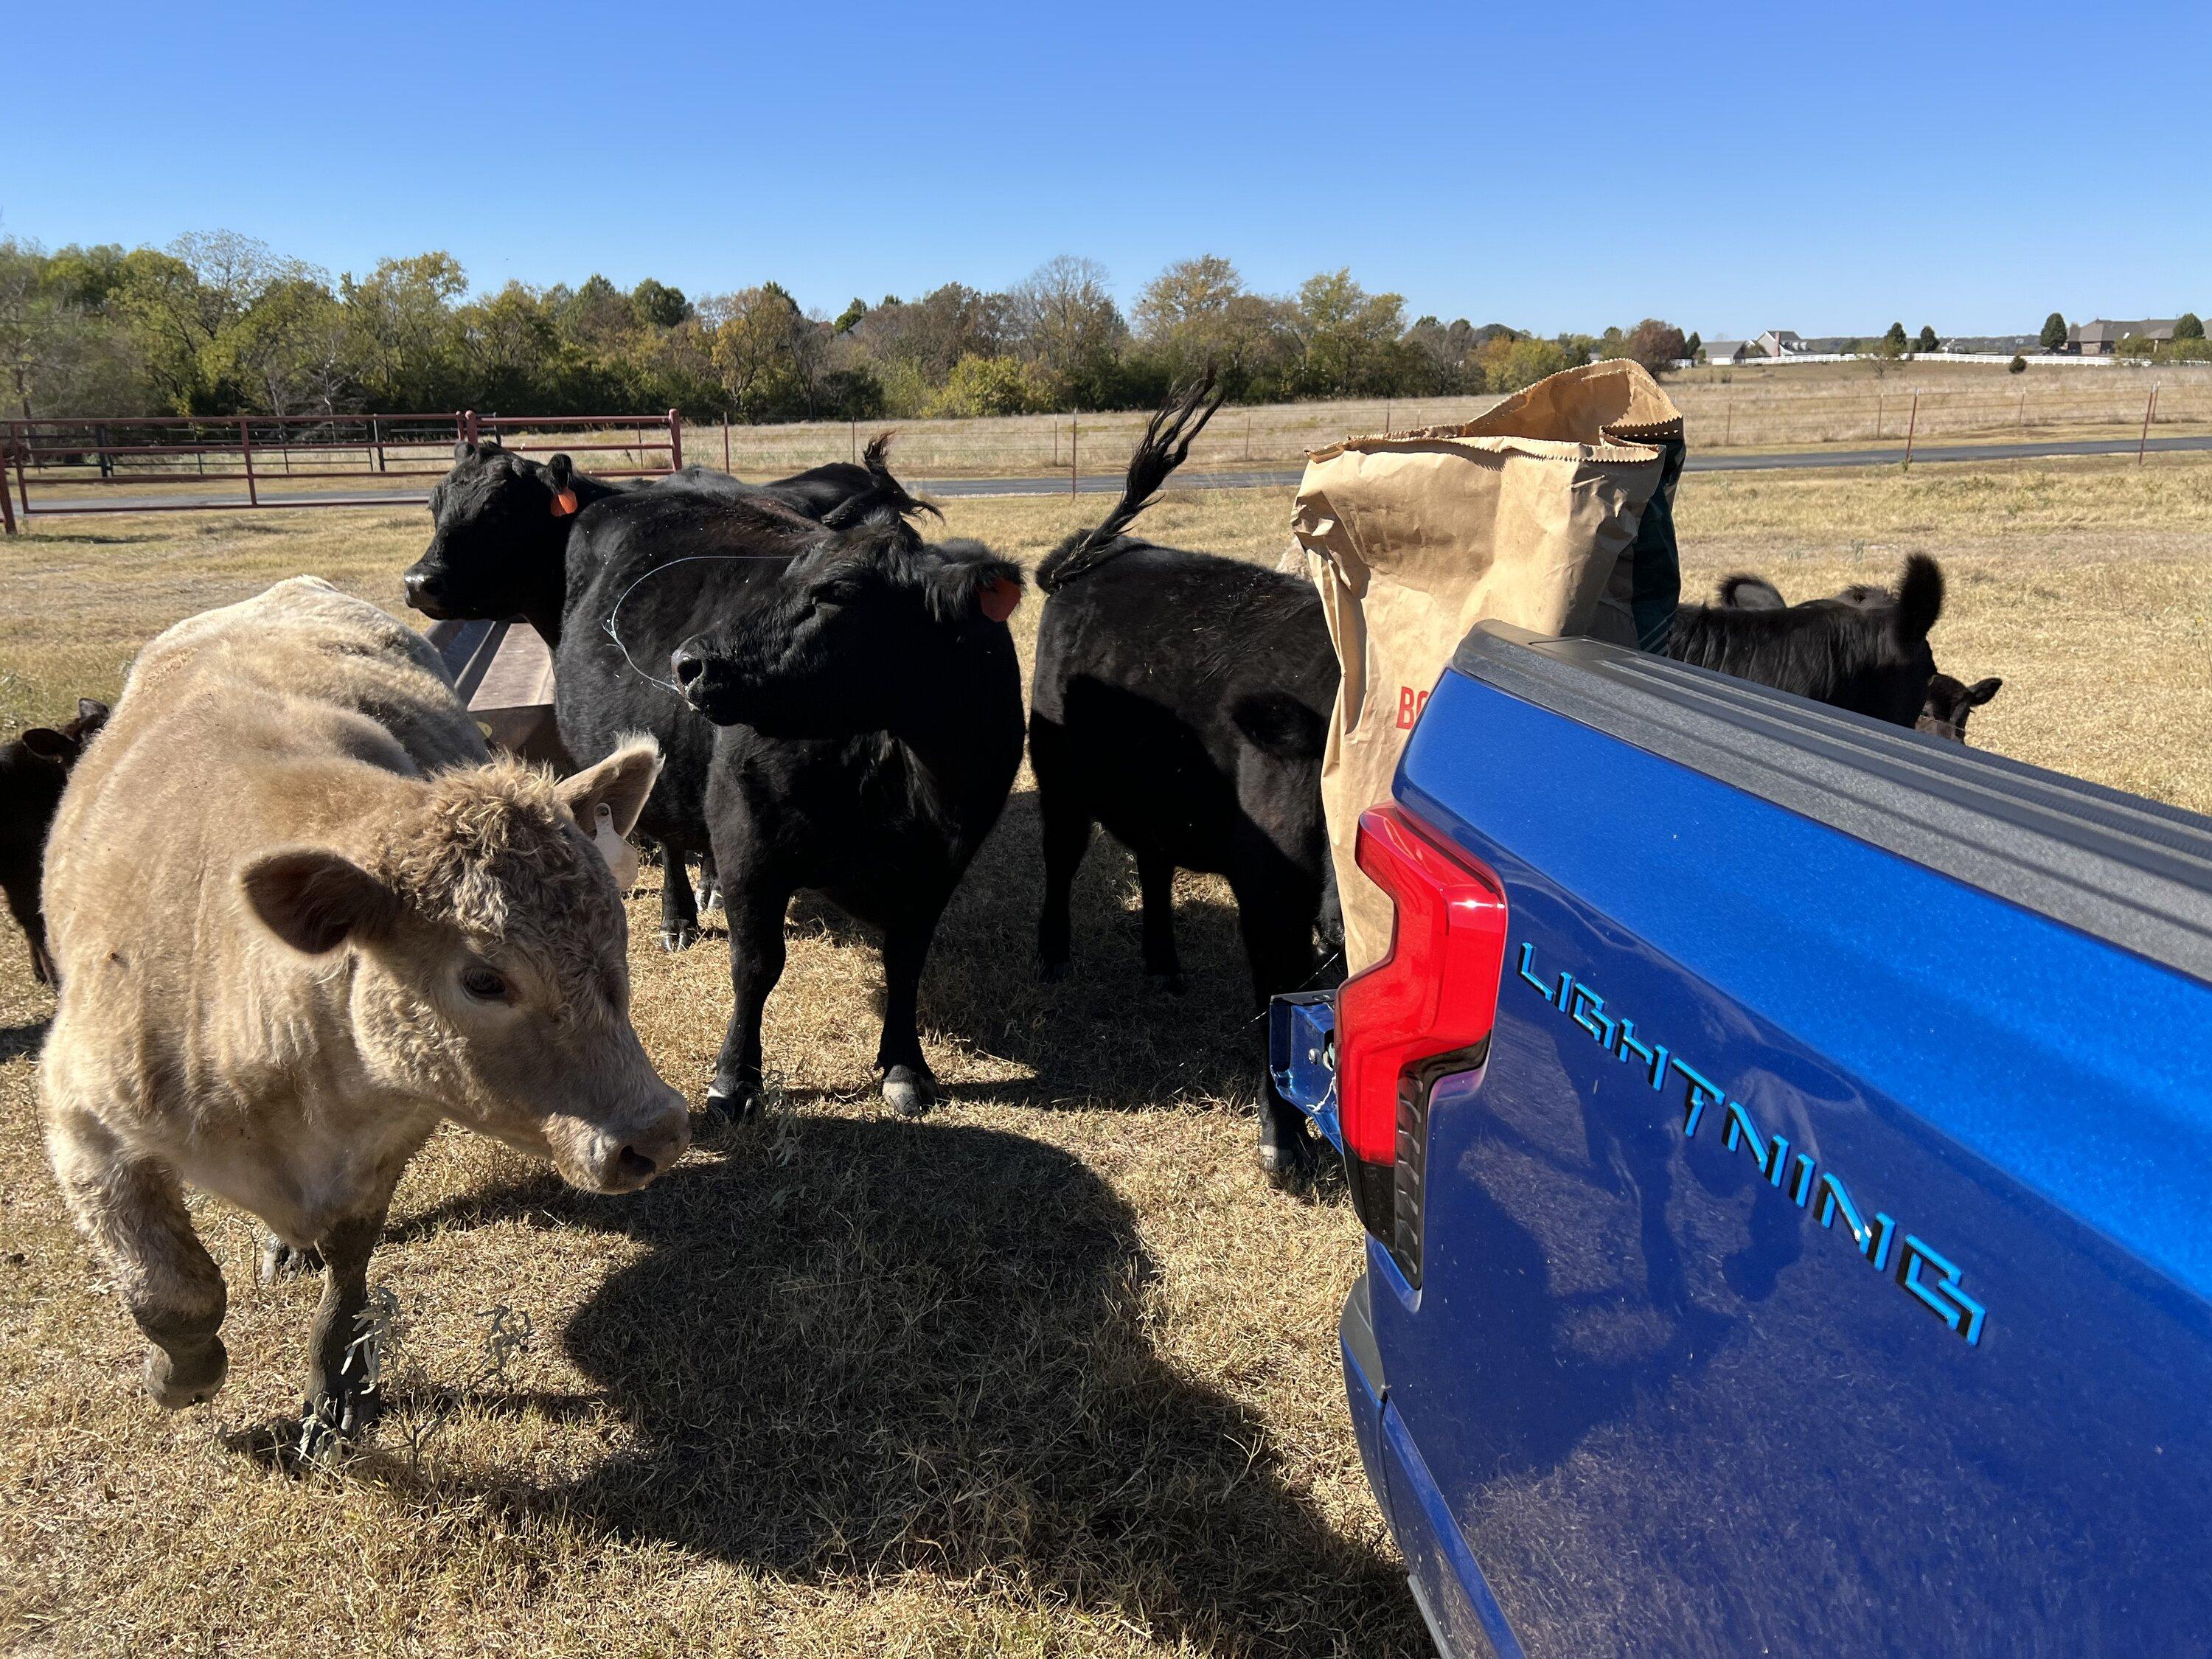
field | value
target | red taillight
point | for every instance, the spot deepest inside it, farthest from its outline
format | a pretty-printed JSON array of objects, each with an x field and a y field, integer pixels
[{"x": 1424, "y": 1010}]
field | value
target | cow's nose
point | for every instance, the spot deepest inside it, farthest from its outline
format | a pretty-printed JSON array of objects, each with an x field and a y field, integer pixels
[
  {"x": 687, "y": 665},
  {"x": 425, "y": 586}
]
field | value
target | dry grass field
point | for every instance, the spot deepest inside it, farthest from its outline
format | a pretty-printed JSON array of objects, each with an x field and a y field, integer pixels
[
  {"x": 1745, "y": 410},
  {"x": 1051, "y": 1372}
]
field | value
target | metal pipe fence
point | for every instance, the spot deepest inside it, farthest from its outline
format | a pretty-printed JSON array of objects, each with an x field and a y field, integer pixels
[{"x": 188, "y": 462}]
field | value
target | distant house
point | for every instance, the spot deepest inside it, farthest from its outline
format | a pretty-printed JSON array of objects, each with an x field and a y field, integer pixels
[
  {"x": 2101, "y": 338},
  {"x": 1781, "y": 343},
  {"x": 1725, "y": 351}
]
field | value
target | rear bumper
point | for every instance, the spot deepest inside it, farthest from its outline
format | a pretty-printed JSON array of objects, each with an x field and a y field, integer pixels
[{"x": 1302, "y": 1057}]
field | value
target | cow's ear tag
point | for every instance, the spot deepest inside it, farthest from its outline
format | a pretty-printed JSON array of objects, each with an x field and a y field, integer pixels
[
  {"x": 615, "y": 849},
  {"x": 564, "y": 502},
  {"x": 999, "y": 598}
]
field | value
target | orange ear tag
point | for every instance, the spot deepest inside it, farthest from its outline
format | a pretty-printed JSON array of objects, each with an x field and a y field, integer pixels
[
  {"x": 999, "y": 600},
  {"x": 564, "y": 503}
]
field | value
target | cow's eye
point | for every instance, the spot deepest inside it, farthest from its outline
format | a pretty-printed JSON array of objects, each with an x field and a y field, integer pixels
[{"x": 484, "y": 984}]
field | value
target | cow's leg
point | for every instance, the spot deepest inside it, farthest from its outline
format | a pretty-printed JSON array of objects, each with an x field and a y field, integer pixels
[
  {"x": 710, "y": 883},
  {"x": 756, "y": 911},
  {"x": 133, "y": 1210},
  {"x": 1066, "y": 835},
  {"x": 909, "y": 1088},
  {"x": 679, "y": 912},
  {"x": 1156, "y": 876},
  {"x": 23, "y": 905},
  {"x": 339, "y": 1400},
  {"x": 1278, "y": 929}
]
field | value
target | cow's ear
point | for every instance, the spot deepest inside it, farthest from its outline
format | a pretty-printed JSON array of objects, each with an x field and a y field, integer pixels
[
  {"x": 1982, "y": 690},
  {"x": 91, "y": 714},
  {"x": 964, "y": 589},
  {"x": 49, "y": 744},
  {"x": 561, "y": 475},
  {"x": 620, "y": 783},
  {"x": 315, "y": 899}
]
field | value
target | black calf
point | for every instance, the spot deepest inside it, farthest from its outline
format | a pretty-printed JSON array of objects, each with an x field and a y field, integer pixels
[
  {"x": 1867, "y": 651},
  {"x": 1182, "y": 700},
  {"x": 1949, "y": 703},
  {"x": 870, "y": 708},
  {"x": 561, "y": 549},
  {"x": 34, "y": 770}
]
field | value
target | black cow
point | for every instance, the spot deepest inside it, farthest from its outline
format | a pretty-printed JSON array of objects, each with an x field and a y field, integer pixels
[
  {"x": 561, "y": 549},
  {"x": 1182, "y": 700},
  {"x": 1948, "y": 702},
  {"x": 34, "y": 770},
  {"x": 870, "y": 708},
  {"x": 1866, "y": 651}
]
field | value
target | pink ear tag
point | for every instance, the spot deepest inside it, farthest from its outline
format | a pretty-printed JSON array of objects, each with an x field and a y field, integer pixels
[
  {"x": 564, "y": 502},
  {"x": 999, "y": 600}
]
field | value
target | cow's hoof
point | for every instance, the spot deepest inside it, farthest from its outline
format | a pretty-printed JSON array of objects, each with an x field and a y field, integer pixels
[
  {"x": 682, "y": 937},
  {"x": 910, "y": 1090},
  {"x": 178, "y": 1380},
  {"x": 282, "y": 1260},
  {"x": 1170, "y": 983},
  {"x": 1288, "y": 1162},
  {"x": 329, "y": 1422},
  {"x": 710, "y": 895},
  {"x": 1051, "y": 973},
  {"x": 732, "y": 1100}
]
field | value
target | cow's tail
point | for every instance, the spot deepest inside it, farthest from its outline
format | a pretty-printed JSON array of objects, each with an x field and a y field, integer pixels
[
  {"x": 885, "y": 499},
  {"x": 1919, "y": 599},
  {"x": 1745, "y": 592},
  {"x": 1166, "y": 443}
]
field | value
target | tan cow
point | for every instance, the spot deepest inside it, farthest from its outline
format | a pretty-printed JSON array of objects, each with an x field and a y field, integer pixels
[{"x": 300, "y": 916}]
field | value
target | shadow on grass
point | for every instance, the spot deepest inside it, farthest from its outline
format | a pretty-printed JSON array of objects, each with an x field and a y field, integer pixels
[
  {"x": 24, "y": 1039},
  {"x": 922, "y": 1347}
]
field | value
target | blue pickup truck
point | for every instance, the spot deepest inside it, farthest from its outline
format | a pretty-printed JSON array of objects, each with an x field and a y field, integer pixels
[{"x": 1785, "y": 1146}]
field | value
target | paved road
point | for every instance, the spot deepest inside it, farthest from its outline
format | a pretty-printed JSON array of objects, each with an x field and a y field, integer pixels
[{"x": 1110, "y": 483}]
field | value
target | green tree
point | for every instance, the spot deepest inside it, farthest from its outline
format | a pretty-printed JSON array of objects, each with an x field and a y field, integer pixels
[
  {"x": 1693, "y": 346},
  {"x": 1928, "y": 342},
  {"x": 2017, "y": 365},
  {"x": 1349, "y": 336},
  {"x": 1895, "y": 339},
  {"x": 656, "y": 305},
  {"x": 2053, "y": 337},
  {"x": 405, "y": 341},
  {"x": 988, "y": 385},
  {"x": 1064, "y": 317},
  {"x": 2188, "y": 326},
  {"x": 849, "y": 316}
]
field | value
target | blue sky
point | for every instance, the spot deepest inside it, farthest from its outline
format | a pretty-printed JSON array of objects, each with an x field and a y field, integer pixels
[{"x": 1730, "y": 167}]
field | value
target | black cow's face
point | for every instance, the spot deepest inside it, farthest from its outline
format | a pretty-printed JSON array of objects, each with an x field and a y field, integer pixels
[
  {"x": 500, "y": 535},
  {"x": 1949, "y": 703},
  {"x": 846, "y": 640}
]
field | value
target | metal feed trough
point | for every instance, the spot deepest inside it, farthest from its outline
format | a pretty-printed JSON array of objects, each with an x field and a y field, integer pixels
[{"x": 504, "y": 673}]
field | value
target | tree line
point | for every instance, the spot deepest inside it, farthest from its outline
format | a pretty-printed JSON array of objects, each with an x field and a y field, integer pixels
[{"x": 218, "y": 324}]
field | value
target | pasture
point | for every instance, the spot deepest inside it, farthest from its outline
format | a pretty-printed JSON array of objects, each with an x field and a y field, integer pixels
[{"x": 1052, "y": 1372}]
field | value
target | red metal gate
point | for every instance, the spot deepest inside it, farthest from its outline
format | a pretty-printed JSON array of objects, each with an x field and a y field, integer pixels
[{"x": 162, "y": 464}]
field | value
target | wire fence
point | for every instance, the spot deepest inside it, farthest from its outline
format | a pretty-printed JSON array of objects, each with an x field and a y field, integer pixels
[{"x": 201, "y": 463}]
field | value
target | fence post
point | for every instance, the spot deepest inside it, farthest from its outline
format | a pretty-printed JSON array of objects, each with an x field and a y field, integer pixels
[
  {"x": 1877, "y": 417},
  {"x": 2023, "y": 413},
  {"x": 246, "y": 444},
  {"x": 375, "y": 446},
  {"x": 469, "y": 431},
  {"x": 1728, "y": 429},
  {"x": 1911, "y": 426},
  {"x": 23, "y": 446},
  {"x": 1071, "y": 424},
  {"x": 675, "y": 441},
  {"x": 853, "y": 435},
  {"x": 726, "y": 442},
  {"x": 7, "y": 502},
  {"x": 2150, "y": 407}
]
